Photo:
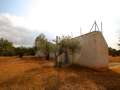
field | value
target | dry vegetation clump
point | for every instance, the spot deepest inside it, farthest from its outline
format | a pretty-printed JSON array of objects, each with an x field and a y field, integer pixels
[
  {"x": 84, "y": 78},
  {"x": 52, "y": 83}
]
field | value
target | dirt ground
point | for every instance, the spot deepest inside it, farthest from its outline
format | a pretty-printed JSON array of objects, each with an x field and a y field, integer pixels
[
  {"x": 114, "y": 59},
  {"x": 30, "y": 73}
]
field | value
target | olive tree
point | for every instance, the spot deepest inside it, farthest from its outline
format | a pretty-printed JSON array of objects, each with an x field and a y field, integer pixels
[
  {"x": 5, "y": 44},
  {"x": 42, "y": 44},
  {"x": 69, "y": 44},
  {"x": 6, "y": 47}
]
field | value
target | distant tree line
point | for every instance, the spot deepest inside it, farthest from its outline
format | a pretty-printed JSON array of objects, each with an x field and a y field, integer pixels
[
  {"x": 42, "y": 43},
  {"x": 113, "y": 52},
  {"x": 7, "y": 49}
]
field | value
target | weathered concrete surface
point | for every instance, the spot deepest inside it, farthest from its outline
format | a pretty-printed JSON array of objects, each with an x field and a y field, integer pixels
[{"x": 93, "y": 52}]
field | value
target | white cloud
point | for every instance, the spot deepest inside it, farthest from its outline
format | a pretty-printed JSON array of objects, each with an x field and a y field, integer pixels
[
  {"x": 56, "y": 17},
  {"x": 20, "y": 36},
  {"x": 65, "y": 16}
]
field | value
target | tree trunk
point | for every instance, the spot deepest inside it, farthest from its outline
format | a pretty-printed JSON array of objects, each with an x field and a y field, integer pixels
[
  {"x": 66, "y": 57},
  {"x": 47, "y": 56},
  {"x": 72, "y": 57}
]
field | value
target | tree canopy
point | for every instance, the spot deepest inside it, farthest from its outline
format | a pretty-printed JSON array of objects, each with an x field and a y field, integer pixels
[
  {"x": 67, "y": 42},
  {"x": 43, "y": 45},
  {"x": 40, "y": 42},
  {"x": 5, "y": 44}
]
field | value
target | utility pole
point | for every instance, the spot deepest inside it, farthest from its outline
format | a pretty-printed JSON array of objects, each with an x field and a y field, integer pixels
[
  {"x": 80, "y": 31},
  {"x": 101, "y": 27},
  {"x": 95, "y": 25}
]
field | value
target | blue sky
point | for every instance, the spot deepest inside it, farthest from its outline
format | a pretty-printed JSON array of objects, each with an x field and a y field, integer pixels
[
  {"x": 60, "y": 17},
  {"x": 17, "y": 7}
]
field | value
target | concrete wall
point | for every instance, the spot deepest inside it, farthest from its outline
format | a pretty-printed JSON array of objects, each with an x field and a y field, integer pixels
[{"x": 93, "y": 52}]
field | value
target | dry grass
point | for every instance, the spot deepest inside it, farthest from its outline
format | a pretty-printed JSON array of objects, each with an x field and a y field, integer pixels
[
  {"x": 114, "y": 59},
  {"x": 115, "y": 63},
  {"x": 31, "y": 73}
]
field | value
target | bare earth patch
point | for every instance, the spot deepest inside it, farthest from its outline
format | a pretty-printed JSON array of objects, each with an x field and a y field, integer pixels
[{"x": 31, "y": 73}]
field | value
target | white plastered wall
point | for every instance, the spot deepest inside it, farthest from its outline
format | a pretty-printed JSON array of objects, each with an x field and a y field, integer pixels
[{"x": 93, "y": 52}]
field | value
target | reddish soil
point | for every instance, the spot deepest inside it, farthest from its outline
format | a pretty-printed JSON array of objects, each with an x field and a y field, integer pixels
[
  {"x": 114, "y": 59},
  {"x": 30, "y": 73}
]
